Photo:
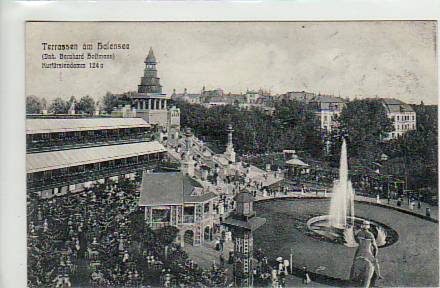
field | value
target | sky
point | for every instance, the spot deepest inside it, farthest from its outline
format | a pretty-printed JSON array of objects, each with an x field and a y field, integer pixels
[{"x": 394, "y": 59}]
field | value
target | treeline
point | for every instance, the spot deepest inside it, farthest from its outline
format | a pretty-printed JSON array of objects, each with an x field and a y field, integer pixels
[
  {"x": 291, "y": 126},
  {"x": 85, "y": 105}
]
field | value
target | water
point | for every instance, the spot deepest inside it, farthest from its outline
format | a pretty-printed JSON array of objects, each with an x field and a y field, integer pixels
[
  {"x": 342, "y": 201},
  {"x": 340, "y": 223}
]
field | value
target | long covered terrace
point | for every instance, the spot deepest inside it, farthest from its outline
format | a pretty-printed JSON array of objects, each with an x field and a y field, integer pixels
[
  {"x": 59, "y": 168},
  {"x": 56, "y": 134}
]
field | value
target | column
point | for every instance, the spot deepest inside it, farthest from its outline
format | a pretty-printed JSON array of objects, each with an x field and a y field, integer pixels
[{"x": 149, "y": 104}]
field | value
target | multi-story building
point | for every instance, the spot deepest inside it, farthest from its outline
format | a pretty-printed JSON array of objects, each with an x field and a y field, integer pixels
[
  {"x": 70, "y": 155},
  {"x": 327, "y": 109},
  {"x": 178, "y": 200},
  {"x": 192, "y": 98},
  {"x": 402, "y": 116},
  {"x": 298, "y": 96}
]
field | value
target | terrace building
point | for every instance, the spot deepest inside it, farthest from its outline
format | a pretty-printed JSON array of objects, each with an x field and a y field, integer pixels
[
  {"x": 50, "y": 134},
  {"x": 178, "y": 200},
  {"x": 70, "y": 155}
]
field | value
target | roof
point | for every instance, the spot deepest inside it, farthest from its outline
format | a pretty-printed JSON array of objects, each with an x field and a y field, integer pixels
[
  {"x": 45, "y": 161},
  {"x": 327, "y": 99},
  {"x": 53, "y": 125},
  {"x": 252, "y": 223},
  {"x": 150, "y": 58},
  {"x": 171, "y": 189},
  {"x": 244, "y": 196},
  {"x": 395, "y": 105},
  {"x": 296, "y": 162}
]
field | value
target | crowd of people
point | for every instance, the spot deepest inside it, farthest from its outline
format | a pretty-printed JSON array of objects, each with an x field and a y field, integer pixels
[{"x": 98, "y": 238}]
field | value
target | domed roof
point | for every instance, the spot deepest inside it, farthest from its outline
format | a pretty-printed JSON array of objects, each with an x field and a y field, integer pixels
[{"x": 244, "y": 197}]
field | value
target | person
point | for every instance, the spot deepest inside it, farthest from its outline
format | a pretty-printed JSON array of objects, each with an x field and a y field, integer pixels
[
  {"x": 222, "y": 261},
  {"x": 428, "y": 212},
  {"x": 231, "y": 257},
  {"x": 306, "y": 276},
  {"x": 368, "y": 247}
]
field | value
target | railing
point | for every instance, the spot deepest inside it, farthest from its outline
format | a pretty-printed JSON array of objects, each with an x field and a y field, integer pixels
[
  {"x": 188, "y": 218},
  {"x": 45, "y": 146},
  {"x": 81, "y": 177}
]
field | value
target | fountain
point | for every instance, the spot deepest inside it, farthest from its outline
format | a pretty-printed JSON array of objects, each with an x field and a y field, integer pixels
[{"x": 341, "y": 224}]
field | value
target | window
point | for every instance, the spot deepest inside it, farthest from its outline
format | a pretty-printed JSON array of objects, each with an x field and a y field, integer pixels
[
  {"x": 246, "y": 208},
  {"x": 161, "y": 215}
]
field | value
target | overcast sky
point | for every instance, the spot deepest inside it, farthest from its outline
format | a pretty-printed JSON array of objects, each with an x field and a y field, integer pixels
[{"x": 350, "y": 59}]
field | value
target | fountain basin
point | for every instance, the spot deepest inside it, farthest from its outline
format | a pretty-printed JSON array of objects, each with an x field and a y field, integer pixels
[{"x": 321, "y": 225}]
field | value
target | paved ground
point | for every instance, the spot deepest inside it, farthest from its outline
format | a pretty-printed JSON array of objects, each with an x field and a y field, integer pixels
[
  {"x": 393, "y": 203},
  {"x": 205, "y": 256},
  {"x": 412, "y": 261}
]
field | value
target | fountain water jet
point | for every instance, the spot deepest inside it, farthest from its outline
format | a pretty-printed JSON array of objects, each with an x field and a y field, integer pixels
[
  {"x": 340, "y": 223},
  {"x": 342, "y": 202}
]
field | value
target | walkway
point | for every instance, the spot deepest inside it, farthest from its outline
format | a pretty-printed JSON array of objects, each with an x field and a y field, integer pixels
[{"x": 383, "y": 202}]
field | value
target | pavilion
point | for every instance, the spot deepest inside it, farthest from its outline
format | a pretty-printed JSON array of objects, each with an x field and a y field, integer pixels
[
  {"x": 178, "y": 200},
  {"x": 296, "y": 166}
]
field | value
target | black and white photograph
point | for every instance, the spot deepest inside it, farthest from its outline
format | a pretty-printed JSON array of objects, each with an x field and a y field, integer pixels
[{"x": 232, "y": 154}]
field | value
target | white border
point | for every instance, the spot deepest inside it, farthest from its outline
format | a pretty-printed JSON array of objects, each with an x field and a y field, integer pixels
[{"x": 12, "y": 82}]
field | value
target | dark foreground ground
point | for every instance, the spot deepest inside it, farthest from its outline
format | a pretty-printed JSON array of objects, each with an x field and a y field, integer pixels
[{"x": 412, "y": 261}]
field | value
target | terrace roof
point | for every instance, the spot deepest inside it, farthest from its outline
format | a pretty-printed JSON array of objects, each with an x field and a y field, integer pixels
[
  {"x": 52, "y": 125},
  {"x": 36, "y": 162}
]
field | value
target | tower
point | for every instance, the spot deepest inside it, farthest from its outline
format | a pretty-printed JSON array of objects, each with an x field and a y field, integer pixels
[
  {"x": 230, "y": 153},
  {"x": 173, "y": 124},
  {"x": 188, "y": 162},
  {"x": 242, "y": 223},
  {"x": 149, "y": 101},
  {"x": 150, "y": 83}
]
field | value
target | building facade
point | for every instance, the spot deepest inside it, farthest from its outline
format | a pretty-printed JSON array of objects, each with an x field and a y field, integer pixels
[
  {"x": 327, "y": 110},
  {"x": 402, "y": 116}
]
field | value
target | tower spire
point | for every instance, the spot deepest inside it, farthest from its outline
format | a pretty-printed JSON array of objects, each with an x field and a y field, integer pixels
[
  {"x": 150, "y": 83},
  {"x": 151, "y": 59}
]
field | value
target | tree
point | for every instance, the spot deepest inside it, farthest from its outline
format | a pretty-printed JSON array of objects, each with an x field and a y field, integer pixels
[
  {"x": 293, "y": 125},
  {"x": 59, "y": 106},
  {"x": 414, "y": 154},
  {"x": 109, "y": 101},
  {"x": 365, "y": 124},
  {"x": 34, "y": 105},
  {"x": 86, "y": 105}
]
